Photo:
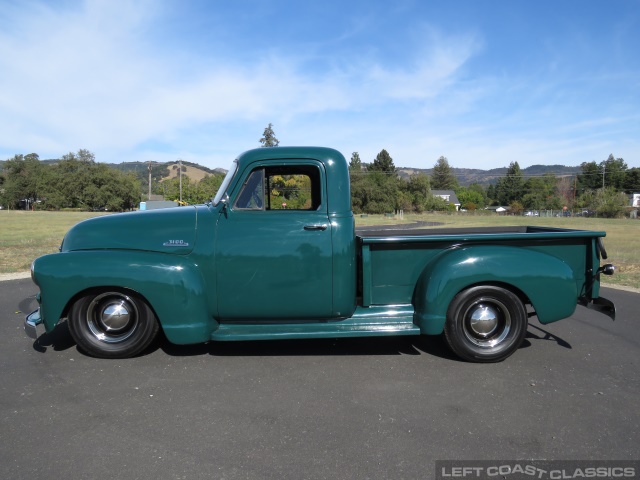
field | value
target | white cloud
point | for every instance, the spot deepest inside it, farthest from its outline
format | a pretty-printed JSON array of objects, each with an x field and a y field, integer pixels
[
  {"x": 89, "y": 77},
  {"x": 108, "y": 76}
]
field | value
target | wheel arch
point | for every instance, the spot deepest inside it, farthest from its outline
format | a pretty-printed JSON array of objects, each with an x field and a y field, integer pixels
[
  {"x": 101, "y": 288},
  {"x": 532, "y": 275},
  {"x": 172, "y": 287}
]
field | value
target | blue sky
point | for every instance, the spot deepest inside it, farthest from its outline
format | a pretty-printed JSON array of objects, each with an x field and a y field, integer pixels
[{"x": 482, "y": 82}]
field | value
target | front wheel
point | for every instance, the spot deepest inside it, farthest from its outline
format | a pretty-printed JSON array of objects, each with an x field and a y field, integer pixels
[
  {"x": 485, "y": 324},
  {"x": 112, "y": 324}
]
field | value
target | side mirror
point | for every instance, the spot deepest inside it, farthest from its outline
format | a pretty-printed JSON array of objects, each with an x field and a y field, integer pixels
[
  {"x": 607, "y": 269},
  {"x": 225, "y": 202}
]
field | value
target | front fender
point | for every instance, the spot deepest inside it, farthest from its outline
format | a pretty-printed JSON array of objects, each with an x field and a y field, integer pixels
[
  {"x": 171, "y": 284},
  {"x": 546, "y": 281}
]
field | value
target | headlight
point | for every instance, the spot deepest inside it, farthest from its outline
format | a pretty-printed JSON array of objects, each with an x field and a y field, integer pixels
[{"x": 32, "y": 267}]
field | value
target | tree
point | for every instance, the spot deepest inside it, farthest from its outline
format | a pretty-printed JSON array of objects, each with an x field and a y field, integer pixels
[
  {"x": 68, "y": 181},
  {"x": 515, "y": 208},
  {"x": 565, "y": 191},
  {"x": 491, "y": 195},
  {"x": 606, "y": 202},
  {"x": 632, "y": 180},
  {"x": 23, "y": 181},
  {"x": 611, "y": 172},
  {"x": 419, "y": 189},
  {"x": 479, "y": 189},
  {"x": 590, "y": 178},
  {"x": 355, "y": 165},
  {"x": 85, "y": 156},
  {"x": 76, "y": 181},
  {"x": 379, "y": 189},
  {"x": 443, "y": 177},
  {"x": 208, "y": 187},
  {"x": 509, "y": 187},
  {"x": 375, "y": 192},
  {"x": 383, "y": 163},
  {"x": 358, "y": 192},
  {"x": 269, "y": 137},
  {"x": 2, "y": 191},
  {"x": 470, "y": 199},
  {"x": 614, "y": 170},
  {"x": 540, "y": 193},
  {"x": 438, "y": 204}
]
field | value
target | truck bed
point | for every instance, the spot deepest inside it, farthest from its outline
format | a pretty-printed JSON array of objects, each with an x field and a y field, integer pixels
[{"x": 391, "y": 261}]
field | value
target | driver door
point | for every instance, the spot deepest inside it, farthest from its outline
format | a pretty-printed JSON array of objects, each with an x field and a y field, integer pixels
[{"x": 273, "y": 245}]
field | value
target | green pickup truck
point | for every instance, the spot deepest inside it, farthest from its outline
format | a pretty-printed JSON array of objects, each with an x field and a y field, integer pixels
[{"x": 275, "y": 255}]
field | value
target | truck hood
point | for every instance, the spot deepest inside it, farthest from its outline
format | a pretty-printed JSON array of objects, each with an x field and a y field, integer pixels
[{"x": 170, "y": 230}]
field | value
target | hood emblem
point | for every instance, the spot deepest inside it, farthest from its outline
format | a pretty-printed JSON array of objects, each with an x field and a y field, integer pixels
[{"x": 175, "y": 243}]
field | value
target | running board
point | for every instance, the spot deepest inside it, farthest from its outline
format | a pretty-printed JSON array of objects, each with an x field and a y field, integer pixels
[{"x": 362, "y": 324}]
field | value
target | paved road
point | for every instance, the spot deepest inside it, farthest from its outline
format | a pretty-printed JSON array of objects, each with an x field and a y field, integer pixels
[{"x": 359, "y": 408}]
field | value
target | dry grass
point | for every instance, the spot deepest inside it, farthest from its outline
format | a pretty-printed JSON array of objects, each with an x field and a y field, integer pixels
[
  {"x": 27, "y": 235},
  {"x": 194, "y": 174}
]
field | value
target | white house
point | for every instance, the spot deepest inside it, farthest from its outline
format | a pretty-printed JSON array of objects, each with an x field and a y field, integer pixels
[{"x": 448, "y": 196}]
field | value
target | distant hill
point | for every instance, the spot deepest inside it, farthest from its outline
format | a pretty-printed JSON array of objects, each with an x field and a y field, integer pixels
[
  {"x": 467, "y": 176},
  {"x": 159, "y": 171},
  {"x": 163, "y": 171}
]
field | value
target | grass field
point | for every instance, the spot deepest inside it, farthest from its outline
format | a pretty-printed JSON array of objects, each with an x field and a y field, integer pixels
[{"x": 27, "y": 235}]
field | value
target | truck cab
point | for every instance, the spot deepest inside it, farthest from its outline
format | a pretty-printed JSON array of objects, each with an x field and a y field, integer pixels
[{"x": 285, "y": 237}]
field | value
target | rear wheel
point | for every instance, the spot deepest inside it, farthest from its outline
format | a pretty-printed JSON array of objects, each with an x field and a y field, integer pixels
[
  {"x": 112, "y": 324},
  {"x": 485, "y": 324}
]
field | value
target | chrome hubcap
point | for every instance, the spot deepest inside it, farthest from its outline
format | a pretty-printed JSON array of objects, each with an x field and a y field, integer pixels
[
  {"x": 483, "y": 321},
  {"x": 112, "y": 317},
  {"x": 487, "y": 322},
  {"x": 115, "y": 316}
]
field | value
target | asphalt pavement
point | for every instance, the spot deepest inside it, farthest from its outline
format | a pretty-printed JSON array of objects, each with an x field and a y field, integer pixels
[{"x": 379, "y": 408}]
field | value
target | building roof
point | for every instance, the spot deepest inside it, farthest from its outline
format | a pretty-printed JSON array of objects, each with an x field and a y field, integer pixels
[{"x": 448, "y": 195}]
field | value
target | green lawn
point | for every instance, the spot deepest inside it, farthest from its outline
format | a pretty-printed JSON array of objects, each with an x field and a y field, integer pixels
[{"x": 27, "y": 235}]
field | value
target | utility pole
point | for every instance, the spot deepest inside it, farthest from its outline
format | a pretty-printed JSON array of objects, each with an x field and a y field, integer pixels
[
  {"x": 149, "y": 196},
  {"x": 180, "y": 170},
  {"x": 604, "y": 167}
]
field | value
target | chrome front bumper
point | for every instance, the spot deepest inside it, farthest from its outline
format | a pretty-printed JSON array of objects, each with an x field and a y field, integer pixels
[{"x": 31, "y": 321}]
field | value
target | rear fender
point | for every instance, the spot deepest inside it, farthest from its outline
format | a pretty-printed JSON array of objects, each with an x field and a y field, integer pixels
[
  {"x": 546, "y": 281},
  {"x": 171, "y": 284}
]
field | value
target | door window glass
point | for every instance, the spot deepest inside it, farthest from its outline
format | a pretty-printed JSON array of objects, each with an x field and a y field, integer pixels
[{"x": 290, "y": 187}]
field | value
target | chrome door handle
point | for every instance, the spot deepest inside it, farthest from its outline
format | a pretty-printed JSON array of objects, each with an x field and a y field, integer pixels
[{"x": 316, "y": 227}]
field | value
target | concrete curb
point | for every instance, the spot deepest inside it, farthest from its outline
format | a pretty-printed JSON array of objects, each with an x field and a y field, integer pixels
[
  {"x": 14, "y": 276},
  {"x": 621, "y": 287}
]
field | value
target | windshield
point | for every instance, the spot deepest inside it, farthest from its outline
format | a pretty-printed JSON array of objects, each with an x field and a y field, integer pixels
[{"x": 225, "y": 183}]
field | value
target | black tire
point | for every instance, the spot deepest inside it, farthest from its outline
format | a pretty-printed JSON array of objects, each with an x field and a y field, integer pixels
[
  {"x": 485, "y": 324},
  {"x": 112, "y": 324}
]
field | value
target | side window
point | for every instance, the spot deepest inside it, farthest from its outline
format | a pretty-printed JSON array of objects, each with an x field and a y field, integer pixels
[{"x": 290, "y": 187}]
